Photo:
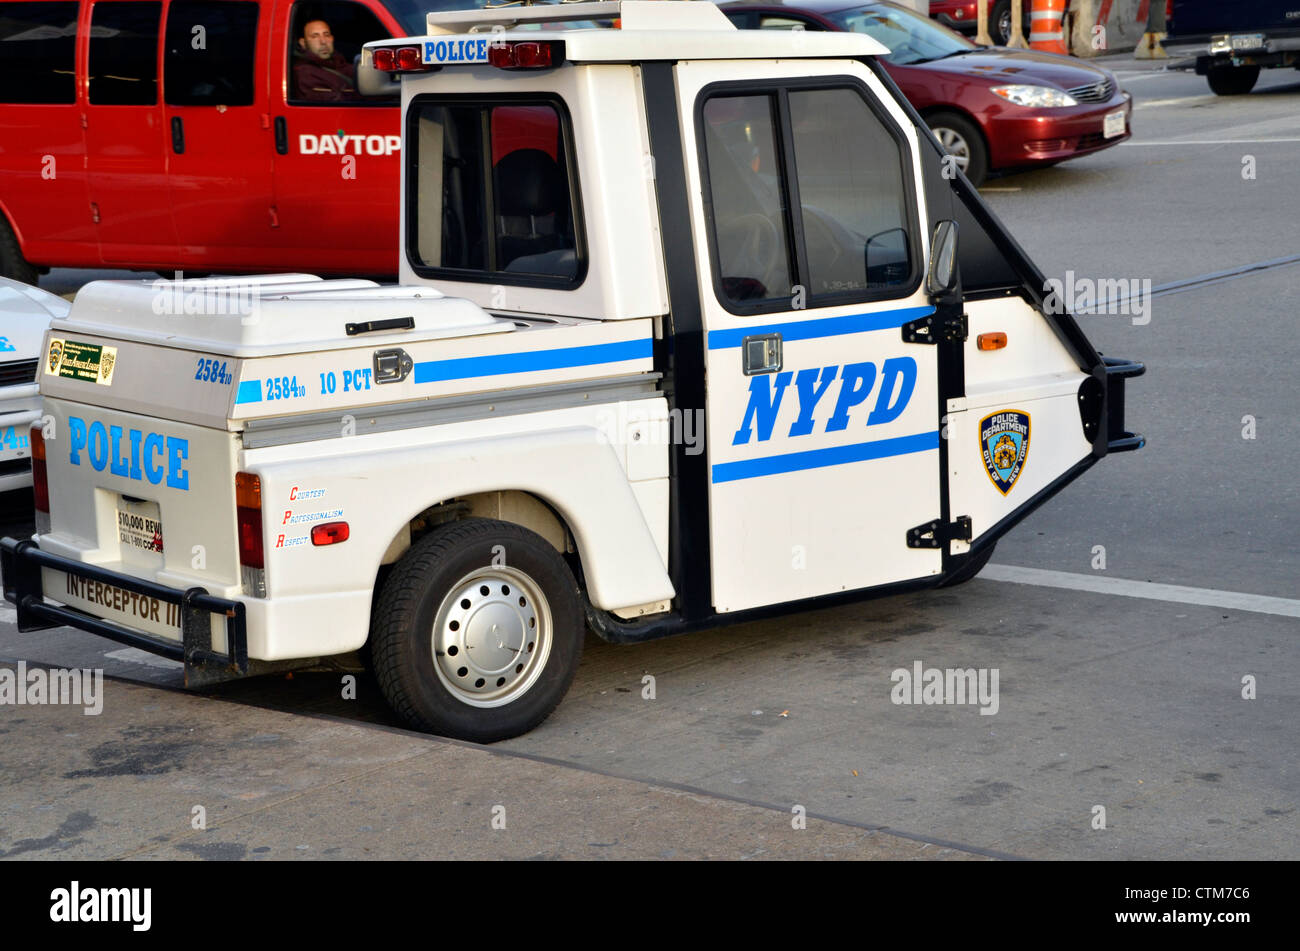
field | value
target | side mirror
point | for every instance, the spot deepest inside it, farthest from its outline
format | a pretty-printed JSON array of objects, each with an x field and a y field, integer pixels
[
  {"x": 375, "y": 83},
  {"x": 941, "y": 278}
]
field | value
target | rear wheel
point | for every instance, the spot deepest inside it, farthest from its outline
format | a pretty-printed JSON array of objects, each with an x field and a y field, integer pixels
[
  {"x": 12, "y": 263},
  {"x": 1000, "y": 22},
  {"x": 478, "y": 631},
  {"x": 1232, "y": 80},
  {"x": 961, "y": 139}
]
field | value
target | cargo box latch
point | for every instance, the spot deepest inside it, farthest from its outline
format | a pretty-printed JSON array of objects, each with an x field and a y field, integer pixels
[{"x": 392, "y": 366}]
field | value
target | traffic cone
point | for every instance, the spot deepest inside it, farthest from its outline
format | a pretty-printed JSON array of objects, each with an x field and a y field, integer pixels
[{"x": 1046, "y": 26}]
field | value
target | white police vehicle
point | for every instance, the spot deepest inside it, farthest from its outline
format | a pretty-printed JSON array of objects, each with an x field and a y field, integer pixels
[
  {"x": 25, "y": 313},
  {"x": 692, "y": 329}
]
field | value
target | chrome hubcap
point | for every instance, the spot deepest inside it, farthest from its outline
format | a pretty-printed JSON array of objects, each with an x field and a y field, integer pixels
[
  {"x": 491, "y": 636},
  {"x": 955, "y": 145}
]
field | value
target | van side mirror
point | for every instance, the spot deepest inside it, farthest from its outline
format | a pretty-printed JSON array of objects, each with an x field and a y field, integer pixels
[
  {"x": 941, "y": 278},
  {"x": 375, "y": 83}
]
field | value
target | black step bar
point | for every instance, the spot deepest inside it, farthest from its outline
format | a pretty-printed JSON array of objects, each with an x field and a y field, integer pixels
[{"x": 1117, "y": 371}]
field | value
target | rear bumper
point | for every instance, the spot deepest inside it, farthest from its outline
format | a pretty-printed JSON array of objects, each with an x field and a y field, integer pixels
[{"x": 21, "y": 563}]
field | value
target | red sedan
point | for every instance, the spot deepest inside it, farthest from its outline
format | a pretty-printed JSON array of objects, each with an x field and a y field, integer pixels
[{"x": 991, "y": 108}]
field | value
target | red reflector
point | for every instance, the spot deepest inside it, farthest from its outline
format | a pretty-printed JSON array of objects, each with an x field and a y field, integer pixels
[
  {"x": 248, "y": 519},
  {"x": 408, "y": 57},
  {"x": 385, "y": 58},
  {"x": 502, "y": 56},
  {"x": 40, "y": 480},
  {"x": 329, "y": 533}
]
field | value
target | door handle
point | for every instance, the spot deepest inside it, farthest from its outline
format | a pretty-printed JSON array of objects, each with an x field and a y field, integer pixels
[
  {"x": 281, "y": 136},
  {"x": 178, "y": 135},
  {"x": 761, "y": 354}
]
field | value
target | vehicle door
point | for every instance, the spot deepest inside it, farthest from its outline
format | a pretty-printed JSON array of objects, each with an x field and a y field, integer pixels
[
  {"x": 218, "y": 132},
  {"x": 126, "y": 145},
  {"x": 337, "y": 155},
  {"x": 823, "y": 435},
  {"x": 43, "y": 179}
]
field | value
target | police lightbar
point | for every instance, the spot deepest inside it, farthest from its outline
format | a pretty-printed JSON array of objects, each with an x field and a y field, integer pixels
[{"x": 435, "y": 53}]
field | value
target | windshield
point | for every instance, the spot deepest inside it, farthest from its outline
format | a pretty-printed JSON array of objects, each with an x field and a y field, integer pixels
[{"x": 911, "y": 38}]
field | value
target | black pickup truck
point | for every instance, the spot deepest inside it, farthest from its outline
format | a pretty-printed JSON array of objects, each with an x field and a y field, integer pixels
[{"x": 1232, "y": 41}]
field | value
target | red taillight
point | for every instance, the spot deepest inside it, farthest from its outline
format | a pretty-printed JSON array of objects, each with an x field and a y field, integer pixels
[
  {"x": 522, "y": 55},
  {"x": 40, "y": 479},
  {"x": 329, "y": 533},
  {"x": 385, "y": 58},
  {"x": 248, "y": 513}
]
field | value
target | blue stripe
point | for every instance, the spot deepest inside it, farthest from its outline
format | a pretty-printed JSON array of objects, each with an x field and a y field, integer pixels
[
  {"x": 820, "y": 458},
  {"x": 823, "y": 327},
  {"x": 436, "y": 371},
  {"x": 250, "y": 391}
]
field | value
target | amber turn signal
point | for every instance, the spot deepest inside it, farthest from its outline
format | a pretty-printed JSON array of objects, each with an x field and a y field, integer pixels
[{"x": 992, "y": 341}]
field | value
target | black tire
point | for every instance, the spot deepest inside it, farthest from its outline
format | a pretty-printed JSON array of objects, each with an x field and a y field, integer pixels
[
  {"x": 532, "y": 581},
  {"x": 12, "y": 263},
  {"x": 972, "y": 567},
  {"x": 1232, "y": 80},
  {"x": 977, "y": 153},
  {"x": 1000, "y": 22}
]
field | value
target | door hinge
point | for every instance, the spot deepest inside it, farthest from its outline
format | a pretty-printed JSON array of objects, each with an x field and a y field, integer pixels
[
  {"x": 933, "y": 329},
  {"x": 936, "y": 534}
]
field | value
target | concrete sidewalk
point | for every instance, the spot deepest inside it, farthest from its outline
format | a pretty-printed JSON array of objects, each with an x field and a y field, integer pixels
[{"x": 129, "y": 783}]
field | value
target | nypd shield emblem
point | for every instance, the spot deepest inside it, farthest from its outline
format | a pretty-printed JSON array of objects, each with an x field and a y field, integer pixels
[{"x": 1004, "y": 439}]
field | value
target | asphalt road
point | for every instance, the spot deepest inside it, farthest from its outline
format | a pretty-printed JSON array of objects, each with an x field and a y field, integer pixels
[{"x": 1113, "y": 693}]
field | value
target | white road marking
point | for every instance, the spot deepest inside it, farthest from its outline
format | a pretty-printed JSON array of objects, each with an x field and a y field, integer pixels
[
  {"x": 1177, "y": 101},
  {"x": 1266, "y": 141},
  {"x": 133, "y": 655},
  {"x": 1178, "y": 594}
]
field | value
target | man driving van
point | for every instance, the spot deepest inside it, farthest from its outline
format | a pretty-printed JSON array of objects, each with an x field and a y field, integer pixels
[{"x": 319, "y": 73}]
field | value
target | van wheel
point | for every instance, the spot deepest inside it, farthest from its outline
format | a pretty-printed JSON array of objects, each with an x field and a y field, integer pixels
[
  {"x": 478, "y": 631},
  {"x": 1232, "y": 80},
  {"x": 1000, "y": 22},
  {"x": 962, "y": 140},
  {"x": 969, "y": 570},
  {"x": 12, "y": 263}
]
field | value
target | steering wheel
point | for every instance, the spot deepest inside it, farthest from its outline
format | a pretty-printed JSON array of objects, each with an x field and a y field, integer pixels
[{"x": 752, "y": 245}]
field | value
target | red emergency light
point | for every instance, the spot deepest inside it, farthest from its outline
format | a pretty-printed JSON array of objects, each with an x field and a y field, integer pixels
[
  {"x": 525, "y": 55},
  {"x": 398, "y": 59}
]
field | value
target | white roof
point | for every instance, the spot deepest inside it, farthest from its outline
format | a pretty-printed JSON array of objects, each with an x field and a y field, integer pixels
[{"x": 647, "y": 30}]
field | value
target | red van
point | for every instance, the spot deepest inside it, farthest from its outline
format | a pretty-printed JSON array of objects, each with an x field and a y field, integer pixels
[{"x": 204, "y": 135}]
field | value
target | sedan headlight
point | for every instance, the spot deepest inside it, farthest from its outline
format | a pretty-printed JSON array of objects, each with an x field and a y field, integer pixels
[{"x": 1041, "y": 96}]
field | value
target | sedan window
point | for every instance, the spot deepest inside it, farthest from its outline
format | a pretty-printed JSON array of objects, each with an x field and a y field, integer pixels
[{"x": 909, "y": 37}]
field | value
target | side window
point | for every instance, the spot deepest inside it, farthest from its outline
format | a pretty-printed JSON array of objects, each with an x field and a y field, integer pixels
[
  {"x": 493, "y": 193},
  {"x": 209, "y": 58},
  {"x": 38, "y": 46},
  {"x": 853, "y": 197},
  {"x": 325, "y": 44},
  {"x": 807, "y": 192},
  {"x": 124, "y": 53},
  {"x": 749, "y": 204}
]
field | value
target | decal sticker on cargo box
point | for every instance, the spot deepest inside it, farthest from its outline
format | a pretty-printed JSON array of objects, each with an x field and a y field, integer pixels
[
  {"x": 90, "y": 362},
  {"x": 1004, "y": 440}
]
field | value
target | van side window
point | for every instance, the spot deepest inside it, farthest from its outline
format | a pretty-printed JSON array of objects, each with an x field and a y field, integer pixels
[
  {"x": 493, "y": 193},
  {"x": 39, "y": 44},
  {"x": 209, "y": 58},
  {"x": 325, "y": 38},
  {"x": 825, "y": 153},
  {"x": 124, "y": 53}
]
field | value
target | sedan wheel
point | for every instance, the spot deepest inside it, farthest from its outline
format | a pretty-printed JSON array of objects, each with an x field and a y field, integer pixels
[{"x": 962, "y": 141}]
